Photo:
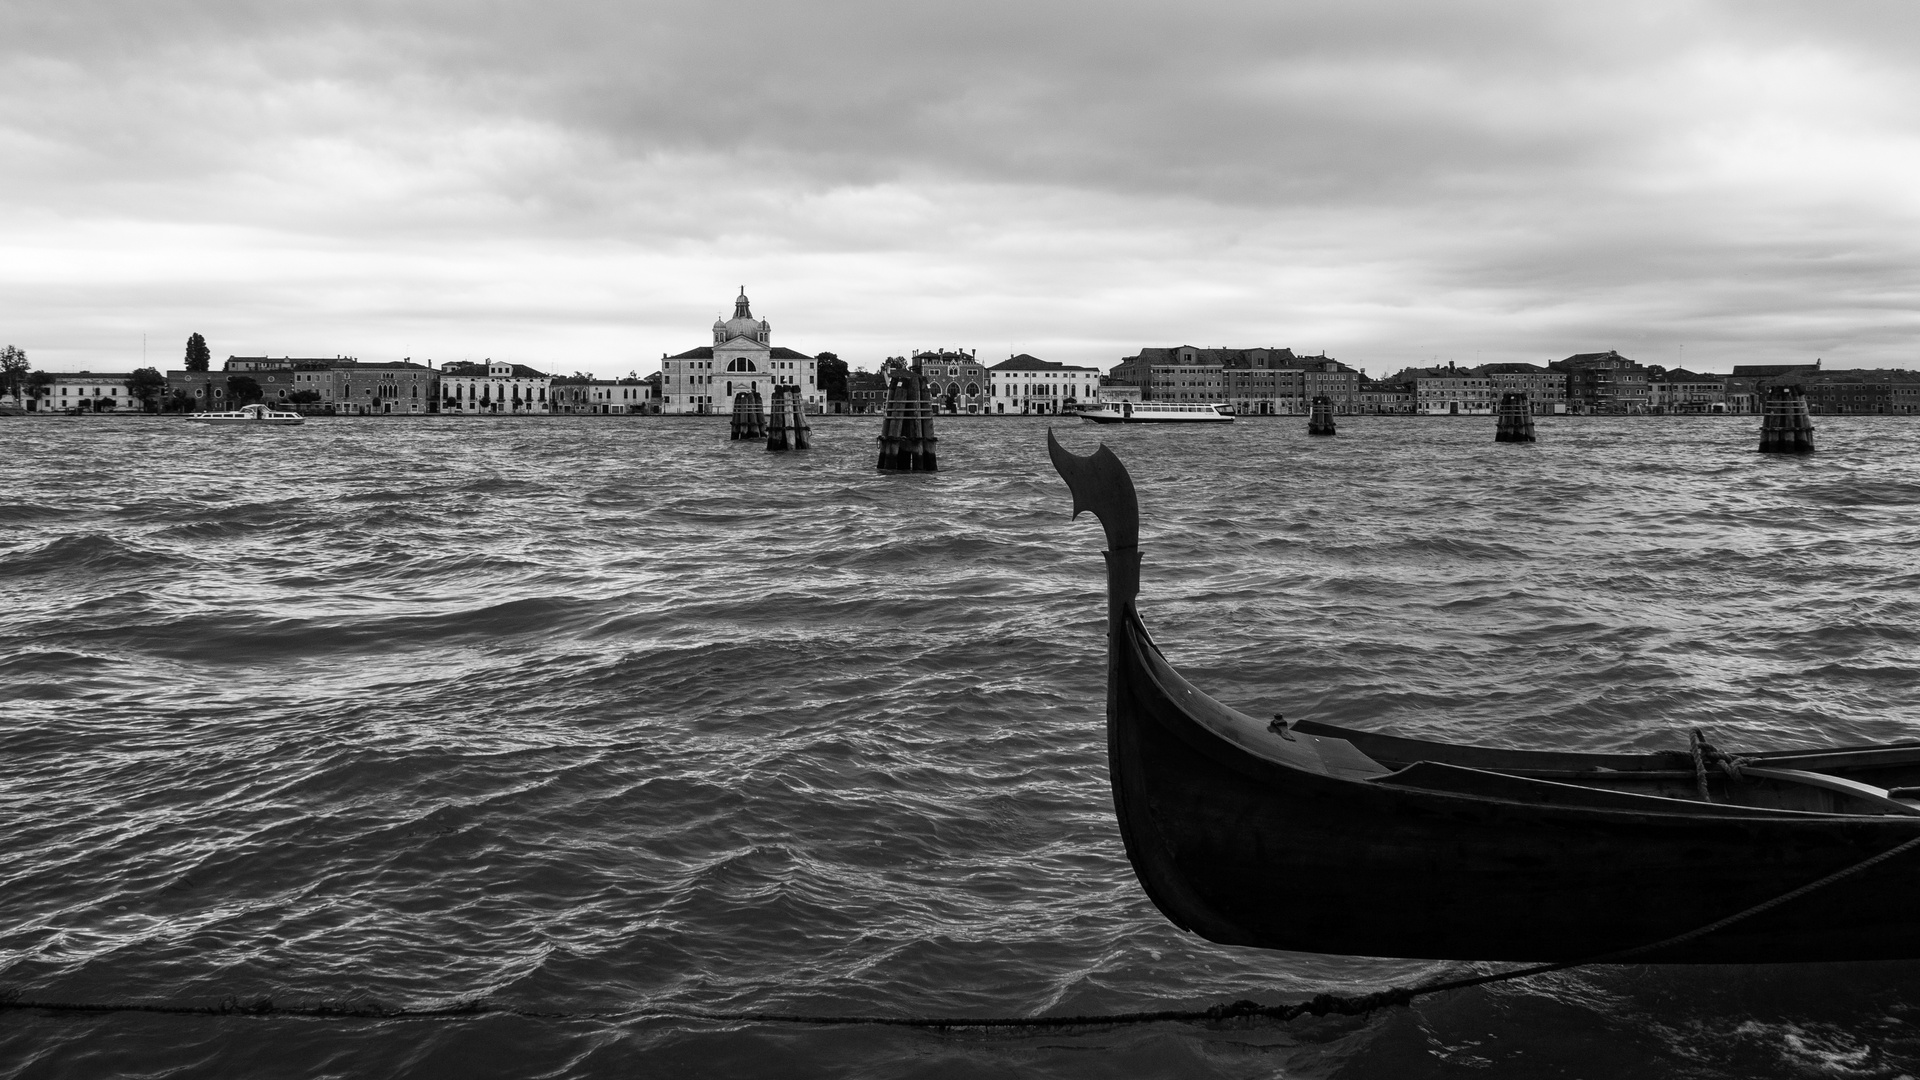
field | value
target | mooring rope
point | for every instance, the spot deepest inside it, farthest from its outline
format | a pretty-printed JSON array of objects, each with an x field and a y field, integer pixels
[{"x": 1319, "y": 1005}]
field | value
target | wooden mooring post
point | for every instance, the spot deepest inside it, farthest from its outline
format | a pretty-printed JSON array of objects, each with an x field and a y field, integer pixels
[
  {"x": 1515, "y": 418},
  {"x": 906, "y": 432},
  {"x": 1785, "y": 425},
  {"x": 1320, "y": 420},
  {"x": 749, "y": 418},
  {"x": 787, "y": 428}
]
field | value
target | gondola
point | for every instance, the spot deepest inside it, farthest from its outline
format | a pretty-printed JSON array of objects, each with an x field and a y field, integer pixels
[{"x": 1315, "y": 838}]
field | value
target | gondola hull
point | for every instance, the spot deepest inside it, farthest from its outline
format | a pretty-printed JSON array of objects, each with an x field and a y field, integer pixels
[
  {"x": 1251, "y": 835},
  {"x": 1245, "y": 851}
]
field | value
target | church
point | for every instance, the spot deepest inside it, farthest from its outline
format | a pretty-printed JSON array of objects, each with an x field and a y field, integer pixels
[{"x": 741, "y": 359}]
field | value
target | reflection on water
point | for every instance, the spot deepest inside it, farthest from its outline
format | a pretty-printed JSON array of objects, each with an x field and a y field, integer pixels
[{"x": 598, "y": 713}]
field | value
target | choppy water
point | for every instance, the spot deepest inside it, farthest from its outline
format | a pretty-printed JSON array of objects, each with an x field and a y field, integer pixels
[{"x": 596, "y": 714}]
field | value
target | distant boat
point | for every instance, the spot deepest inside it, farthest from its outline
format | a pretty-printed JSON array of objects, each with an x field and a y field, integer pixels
[
  {"x": 1315, "y": 838},
  {"x": 1155, "y": 412},
  {"x": 248, "y": 414}
]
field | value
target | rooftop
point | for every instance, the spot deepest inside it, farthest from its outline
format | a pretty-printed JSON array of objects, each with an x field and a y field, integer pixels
[
  {"x": 1769, "y": 371},
  {"x": 473, "y": 368},
  {"x": 1026, "y": 362}
]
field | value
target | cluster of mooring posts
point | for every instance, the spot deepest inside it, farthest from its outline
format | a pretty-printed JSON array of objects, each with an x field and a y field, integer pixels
[
  {"x": 787, "y": 428},
  {"x": 906, "y": 434},
  {"x": 1320, "y": 420},
  {"x": 1785, "y": 426},
  {"x": 749, "y": 417},
  {"x": 1515, "y": 419}
]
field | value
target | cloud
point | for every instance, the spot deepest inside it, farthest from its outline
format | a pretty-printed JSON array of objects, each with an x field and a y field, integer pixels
[{"x": 584, "y": 184}]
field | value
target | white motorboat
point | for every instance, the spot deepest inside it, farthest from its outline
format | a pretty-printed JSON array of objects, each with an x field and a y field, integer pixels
[
  {"x": 1156, "y": 412},
  {"x": 248, "y": 414}
]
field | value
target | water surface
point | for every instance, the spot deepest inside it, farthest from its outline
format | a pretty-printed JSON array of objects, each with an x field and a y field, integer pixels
[{"x": 603, "y": 714}]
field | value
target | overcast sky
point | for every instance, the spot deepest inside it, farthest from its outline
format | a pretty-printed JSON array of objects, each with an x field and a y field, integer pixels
[{"x": 584, "y": 185}]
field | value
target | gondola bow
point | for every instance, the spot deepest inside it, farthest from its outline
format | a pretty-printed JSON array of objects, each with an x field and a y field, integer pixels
[{"x": 1325, "y": 839}]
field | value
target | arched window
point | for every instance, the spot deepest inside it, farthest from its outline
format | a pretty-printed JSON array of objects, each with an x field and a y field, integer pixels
[
  {"x": 741, "y": 364},
  {"x": 973, "y": 389}
]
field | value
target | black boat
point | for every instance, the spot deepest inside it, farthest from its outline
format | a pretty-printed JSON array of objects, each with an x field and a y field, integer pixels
[{"x": 1316, "y": 838}]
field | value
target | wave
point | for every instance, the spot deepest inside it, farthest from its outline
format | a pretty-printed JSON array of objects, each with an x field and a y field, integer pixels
[{"x": 88, "y": 553}]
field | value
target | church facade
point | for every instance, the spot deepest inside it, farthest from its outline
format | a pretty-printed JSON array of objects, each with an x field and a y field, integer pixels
[{"x": 742, "y": 359}]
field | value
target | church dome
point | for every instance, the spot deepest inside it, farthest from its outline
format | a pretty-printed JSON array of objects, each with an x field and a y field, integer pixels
[{"x": 743, "y": 324}]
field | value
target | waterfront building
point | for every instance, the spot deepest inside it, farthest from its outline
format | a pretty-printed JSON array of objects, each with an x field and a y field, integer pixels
[
  {"x": 280, "y": 379},
  {"x": 1749, "y": 383},
  {"x": 1604, "y": 383},
  {"x": 1028, "y": 385},
  {"x": 1546, "y": 389},
  {"x": 1264, "y": 391},
  {"x": 615, "y": 397},
  {"x": 1680, "y": 392},
  {"x": 742, "y": 359},
  {"x": 866, "y": 391},
  {"x": 597, "y": 397},
  {"x": 494, "y": 388},
  {"x": 1187, "y": 373},
  {"x": 1453, "y": 392},
  {"x": 273, "y": 375},
  {"x": 1324, "y": 376},
  {"x": 356, "y": 388},
  {"x": 1384, "y": 399},
  {"x": 349, "y": 387},
  {"x": 203, "y": 390},
  {"x": 206, "y": 391},
  {"x": 84, "y": 391},
  {"x": 1111, "y": 390},
  {"x": 570, "y": 396},
  {"x": 955, "y": 379},
  {"x": 1866, "y": 391},
  {"x": 1203, "y": 384}
]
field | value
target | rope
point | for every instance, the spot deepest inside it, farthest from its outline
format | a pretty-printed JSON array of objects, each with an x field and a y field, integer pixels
[
  {"x": 1697, "y": 746},
  {"x": 1319, "y": 1005}
]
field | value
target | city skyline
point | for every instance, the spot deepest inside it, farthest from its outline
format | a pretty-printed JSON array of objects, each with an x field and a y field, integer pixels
[{"x": 579, "y": 187}]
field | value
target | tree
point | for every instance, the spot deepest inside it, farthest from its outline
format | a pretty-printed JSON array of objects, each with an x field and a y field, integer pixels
[
  {"x": 242, "y": 390},
  {"x": 13, "y": 370},
  {"x": 833, "y": 376},
  {"x": 198, "y": 355},
  {"x": 179, "y": 401},
  {"x": 145, "y": 386},
  {"x": 38, "y": 382}
]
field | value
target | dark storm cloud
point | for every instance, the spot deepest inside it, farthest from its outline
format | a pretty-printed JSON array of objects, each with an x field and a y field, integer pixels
[{"x": 1386, "y": 181}]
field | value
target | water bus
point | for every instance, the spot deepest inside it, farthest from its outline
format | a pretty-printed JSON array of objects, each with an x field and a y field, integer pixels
[
  {"x": 248, "y": 414},
  {"x": 1156, "y": 412}
]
